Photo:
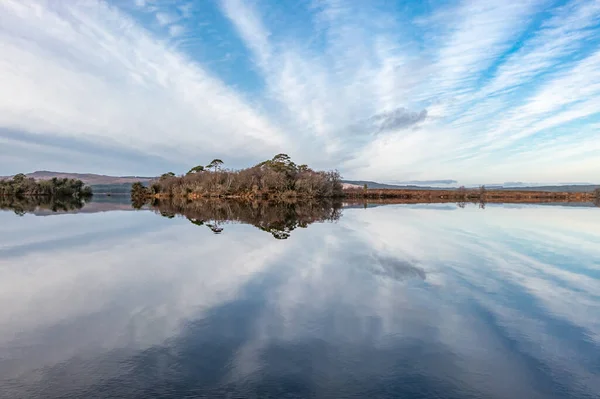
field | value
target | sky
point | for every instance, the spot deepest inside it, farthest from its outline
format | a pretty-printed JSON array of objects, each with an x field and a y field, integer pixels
[{"x": 474, "y": 91}]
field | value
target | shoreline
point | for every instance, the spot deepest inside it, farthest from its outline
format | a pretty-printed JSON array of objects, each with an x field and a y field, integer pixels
[
  {"x": 410, "y": 196},
  {"x": 470, "y": 195}
]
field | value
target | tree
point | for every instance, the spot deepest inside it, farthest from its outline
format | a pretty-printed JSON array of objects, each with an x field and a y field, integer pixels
[
  {"x": 282, "y": 158},
  {"x": 138, "y": 189},
  {"x": 283, "y": 163},
  {"x": 214, "y": 164},
  {"x": 482, "y": 195},
  {"x": 19, "y": 178},
  {"x": 167, "y": 175},
  {"x": 196, "y": 169},
  {"x": 139, "y": 195}
]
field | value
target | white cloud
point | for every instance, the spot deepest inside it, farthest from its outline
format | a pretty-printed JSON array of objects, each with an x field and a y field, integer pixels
[
  {"x": 87, "y": 71},
  {"x": 164, "y": 18},
  {"x": 498, "y": 80},
  {"x": 560, "y": 36},
  {"x": 176, "y": 30},
  {"x": 479, "y": 32}
]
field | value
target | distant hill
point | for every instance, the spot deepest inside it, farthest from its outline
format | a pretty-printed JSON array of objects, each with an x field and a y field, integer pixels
[
  {"x": 101, "y": 184},
  {"x": 569, "y": 188},
  {"x": 573, "y": 188},
  {"x": 89, "y": 178},
  {"x": 372, "y": 184},
  {"x": 426, "y": 182}
]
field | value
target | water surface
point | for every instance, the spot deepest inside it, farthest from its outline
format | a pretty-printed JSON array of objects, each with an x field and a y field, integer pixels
[{"x": 408, "y": 301}]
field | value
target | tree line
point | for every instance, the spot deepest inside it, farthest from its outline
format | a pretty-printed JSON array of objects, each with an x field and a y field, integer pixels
[
  {"x": 23, "y": 186},
  {"x": 276, "y": 178}
]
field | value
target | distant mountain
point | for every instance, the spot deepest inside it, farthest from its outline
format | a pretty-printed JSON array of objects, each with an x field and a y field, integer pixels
[
  {"x": 522, "y": 184},
  {"x": 372, "y": 184},
  {"x": 426, "y": 182},
  {"x": 571, "y": 188},
  {"x": 88, "y": 178}
]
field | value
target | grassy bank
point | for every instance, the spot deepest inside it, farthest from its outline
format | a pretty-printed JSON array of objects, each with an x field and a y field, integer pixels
[{"x": 472, "y": 195}]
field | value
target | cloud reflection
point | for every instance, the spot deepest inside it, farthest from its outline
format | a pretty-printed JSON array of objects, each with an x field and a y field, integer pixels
[{"x": 390, "y": 300}]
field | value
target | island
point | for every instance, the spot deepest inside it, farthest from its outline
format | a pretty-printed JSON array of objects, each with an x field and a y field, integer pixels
[
  {"x": 20, "y": 186},
  {"x": 278, "y": 178}
]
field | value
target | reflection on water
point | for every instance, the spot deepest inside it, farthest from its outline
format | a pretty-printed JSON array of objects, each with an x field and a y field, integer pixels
[
  {"x": 410, "y": 301},
  {"x": 23, "y": 205},
  {"x": 277, "y": 218}
]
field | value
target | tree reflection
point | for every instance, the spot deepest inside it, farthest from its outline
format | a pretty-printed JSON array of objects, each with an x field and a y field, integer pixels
[
  {"x": 277, "y": 218},
  {"x": 30, "y": 204}
]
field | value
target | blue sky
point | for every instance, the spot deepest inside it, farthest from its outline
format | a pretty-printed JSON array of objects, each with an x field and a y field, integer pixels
[{"x": 476, "y": 91}]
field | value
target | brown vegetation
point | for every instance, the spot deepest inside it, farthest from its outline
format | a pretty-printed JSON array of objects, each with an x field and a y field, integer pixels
[
  {"x": 277, "y": 178},
  {"x": 471, "y": 195}
]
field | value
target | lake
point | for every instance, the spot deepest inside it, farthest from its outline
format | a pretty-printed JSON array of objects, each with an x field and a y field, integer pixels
[{"x": 323, "y": 301}]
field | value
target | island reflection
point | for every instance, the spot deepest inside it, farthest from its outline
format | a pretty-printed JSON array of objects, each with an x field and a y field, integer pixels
[
  {"x": 33, "y": 204},
  {"x": 277, "y": 218}
]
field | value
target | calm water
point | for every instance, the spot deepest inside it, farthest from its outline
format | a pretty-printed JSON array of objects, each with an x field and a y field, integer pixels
[{"x": 395, "y": 301}]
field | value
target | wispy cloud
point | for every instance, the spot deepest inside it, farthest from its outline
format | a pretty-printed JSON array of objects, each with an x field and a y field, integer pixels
[
  {"x": 478, "y": 90},
  {"x": 164, "y": 18},
  {"x": 398, "y": 119},
  {"x": 132, "y": 91}
]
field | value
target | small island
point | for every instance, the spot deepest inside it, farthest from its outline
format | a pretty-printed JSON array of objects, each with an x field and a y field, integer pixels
[
  {"x": 278, "y": 178},
  {"x": 21, "y": 186}
]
